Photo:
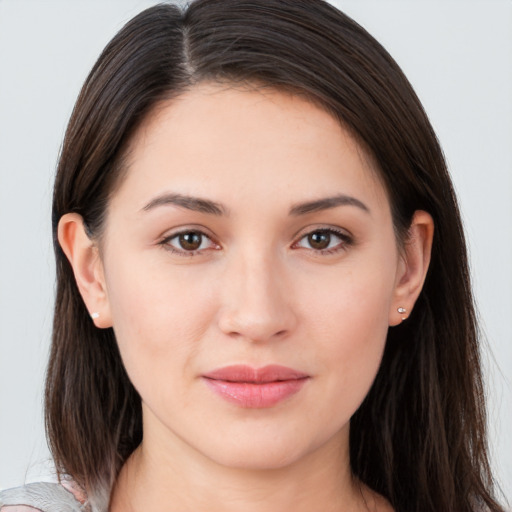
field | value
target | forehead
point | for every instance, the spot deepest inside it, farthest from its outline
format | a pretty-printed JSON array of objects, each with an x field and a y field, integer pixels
[{"x": 227, "y": 140}]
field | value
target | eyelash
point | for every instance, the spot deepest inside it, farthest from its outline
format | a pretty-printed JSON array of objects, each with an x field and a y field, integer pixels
[{"x": 346, "y": 242}]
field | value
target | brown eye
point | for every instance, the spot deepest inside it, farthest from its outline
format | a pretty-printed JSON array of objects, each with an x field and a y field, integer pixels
[
  {"x": 319, "y": 239},
  {"x": 325, "y": 241},
  {"x": 190, "y": 241}
]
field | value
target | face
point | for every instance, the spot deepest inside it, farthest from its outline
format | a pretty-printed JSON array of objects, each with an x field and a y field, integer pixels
[{"x": 250, "y": 269}]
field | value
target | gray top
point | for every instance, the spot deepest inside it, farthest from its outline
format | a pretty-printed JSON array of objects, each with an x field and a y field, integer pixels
[{"x": 46, "y": 497}]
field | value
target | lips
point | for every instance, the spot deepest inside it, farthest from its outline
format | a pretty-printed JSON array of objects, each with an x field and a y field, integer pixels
[{"x": 255, "y": 387}]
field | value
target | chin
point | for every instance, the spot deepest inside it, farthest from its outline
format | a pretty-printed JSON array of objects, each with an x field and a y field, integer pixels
[{"x": 258, "y": 452}]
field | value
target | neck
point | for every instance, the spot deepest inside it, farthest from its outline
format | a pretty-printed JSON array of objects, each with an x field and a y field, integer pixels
[{"x": 173, "y": 477}]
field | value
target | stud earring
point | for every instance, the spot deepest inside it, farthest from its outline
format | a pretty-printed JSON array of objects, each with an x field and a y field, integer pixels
[
  {"x": 95, "y": 315},
  {"x": 402, "y": 310}
]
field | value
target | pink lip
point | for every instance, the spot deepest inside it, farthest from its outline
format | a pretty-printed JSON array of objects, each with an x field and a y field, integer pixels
[{"x": 255, "y": 387}]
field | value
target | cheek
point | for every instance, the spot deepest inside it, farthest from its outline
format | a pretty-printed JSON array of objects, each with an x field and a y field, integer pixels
[
  {"x": 354, "y": 299},
  {"x": 158, "y": 315},
  {"x": 348, "y": 318}
]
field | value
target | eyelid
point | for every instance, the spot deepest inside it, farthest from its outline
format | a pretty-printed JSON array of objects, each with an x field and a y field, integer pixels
[
  {"x": 322, "y": 227},
  {"x": 188, "y": 228}
]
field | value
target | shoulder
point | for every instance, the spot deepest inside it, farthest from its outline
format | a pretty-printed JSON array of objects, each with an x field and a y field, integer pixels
[{"x": 44, "y": 497}]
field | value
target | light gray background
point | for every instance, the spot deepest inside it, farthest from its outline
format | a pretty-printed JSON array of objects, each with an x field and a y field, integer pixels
[{"x": 458, "y": 56}]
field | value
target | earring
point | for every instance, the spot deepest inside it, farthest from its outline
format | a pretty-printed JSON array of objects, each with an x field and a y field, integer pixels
[
  {"x": 95, "y": 315},
  {"x": 402, "y": 310}
]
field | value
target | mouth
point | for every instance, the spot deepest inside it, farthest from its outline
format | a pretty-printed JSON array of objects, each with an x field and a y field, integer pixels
[{"x": 255, "y": 388}]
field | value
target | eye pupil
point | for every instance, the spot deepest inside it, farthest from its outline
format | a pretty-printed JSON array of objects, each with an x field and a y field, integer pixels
[
  {"x": 190, "y": 241},
  {"x": 319, "y": 239}
]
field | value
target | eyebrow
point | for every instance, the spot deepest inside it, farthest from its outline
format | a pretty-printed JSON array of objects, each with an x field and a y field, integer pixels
[
  {"x": 213, "y": 208},
  {"x": 327, "y": 203},
  {"x": 190, "y": 203}
]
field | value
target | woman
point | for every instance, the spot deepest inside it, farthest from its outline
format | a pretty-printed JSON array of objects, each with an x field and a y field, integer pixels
[{"x": 263, "y": 299}]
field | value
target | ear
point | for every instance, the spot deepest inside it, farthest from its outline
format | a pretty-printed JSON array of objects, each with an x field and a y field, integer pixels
[
  {"x": 412, "y": 267},
  {"x": 84, "y": 257}
]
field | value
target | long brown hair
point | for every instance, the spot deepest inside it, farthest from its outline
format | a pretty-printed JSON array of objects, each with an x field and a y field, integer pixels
[{"x": 419, "y": 438}]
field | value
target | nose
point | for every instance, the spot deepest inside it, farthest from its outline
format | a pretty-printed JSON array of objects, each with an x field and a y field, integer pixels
[{"x": 257, "y": 303}]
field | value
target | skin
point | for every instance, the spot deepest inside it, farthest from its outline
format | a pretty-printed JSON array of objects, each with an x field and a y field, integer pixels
[{"x": 257, "y": 292}]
